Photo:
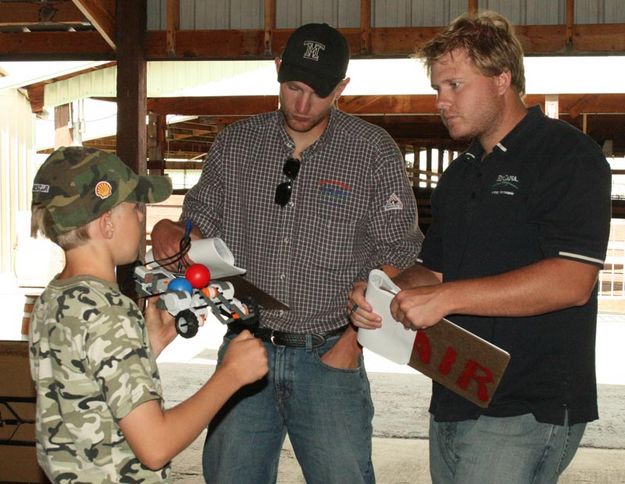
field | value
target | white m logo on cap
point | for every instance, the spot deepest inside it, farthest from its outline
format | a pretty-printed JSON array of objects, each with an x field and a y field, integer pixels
[{"x": 312, "y": 49}]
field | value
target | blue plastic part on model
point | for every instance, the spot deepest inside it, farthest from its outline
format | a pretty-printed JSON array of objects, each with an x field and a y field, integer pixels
[{"x": 180, "y": 284}]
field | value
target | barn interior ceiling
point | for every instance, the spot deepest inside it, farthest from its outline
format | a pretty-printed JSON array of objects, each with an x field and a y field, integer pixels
[{"x": 87, "y": 30}]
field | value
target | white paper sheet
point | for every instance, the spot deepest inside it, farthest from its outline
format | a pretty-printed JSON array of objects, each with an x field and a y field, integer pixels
[
  {"x": 214, "y": 254},
  {"x": 392, "y": 340}
]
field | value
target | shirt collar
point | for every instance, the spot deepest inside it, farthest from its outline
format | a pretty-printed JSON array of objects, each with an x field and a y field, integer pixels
[
  {"x": 324, "y": 139},
  {"x": 515, "y": 139}
]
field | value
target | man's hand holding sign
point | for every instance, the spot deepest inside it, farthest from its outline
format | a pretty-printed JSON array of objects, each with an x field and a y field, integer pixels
[{"x": 450, "y": 355}]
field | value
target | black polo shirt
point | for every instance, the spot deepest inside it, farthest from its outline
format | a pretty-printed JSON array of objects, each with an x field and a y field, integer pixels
[{"x": 543, "y": 192}]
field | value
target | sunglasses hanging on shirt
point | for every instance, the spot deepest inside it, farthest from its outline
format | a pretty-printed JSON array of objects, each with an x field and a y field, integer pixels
[{"x": 284, "y": 189}]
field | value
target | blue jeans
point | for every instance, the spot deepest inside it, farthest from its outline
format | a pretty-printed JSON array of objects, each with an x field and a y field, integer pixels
[
  {"x": 326, "y": 411},
  {"x": 514, "y": 450}
]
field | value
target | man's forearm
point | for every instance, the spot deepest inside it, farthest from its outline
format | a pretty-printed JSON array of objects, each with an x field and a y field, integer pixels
[{"x": 545, "y": 286}]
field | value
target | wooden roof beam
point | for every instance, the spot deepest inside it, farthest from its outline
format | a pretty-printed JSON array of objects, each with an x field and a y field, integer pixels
[
  {"x": 220, "y": 105},
  {"x": 173, "y": 26},
  {"x": 269, "y": 25},
  {"x": 51, "y": 46},
  {"x": 570, "y": 21},
  {"x": 472, "y": 7},
  {"x": 177, "y": 132},
  {"x": 29, "y": 13},
  {"x": 383, "y": 42},
  {"x": 365, "y": 26},
  {"x": 251, "y": 44},
  {"x": 101, "y": 14},
  {"x": 393, "y": 105}
]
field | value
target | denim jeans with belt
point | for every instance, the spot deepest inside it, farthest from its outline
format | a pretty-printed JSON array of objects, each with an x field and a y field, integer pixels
[
  {"x": 327, "y": 413},
  {"x": 511, "y": 450}
]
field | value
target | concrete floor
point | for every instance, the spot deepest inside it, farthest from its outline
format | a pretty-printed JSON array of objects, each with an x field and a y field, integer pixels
[
  {"x": 400, "y": 446},
  {"x": 404, "y": 461}
]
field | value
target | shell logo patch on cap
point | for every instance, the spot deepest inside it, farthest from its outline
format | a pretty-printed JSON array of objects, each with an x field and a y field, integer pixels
[{"x": 103, "y": 190}]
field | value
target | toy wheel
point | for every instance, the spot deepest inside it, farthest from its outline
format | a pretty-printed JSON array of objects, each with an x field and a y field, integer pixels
[{"x": 187, "y": 324}]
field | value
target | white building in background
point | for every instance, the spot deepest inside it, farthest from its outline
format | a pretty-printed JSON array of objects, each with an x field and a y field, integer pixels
[
  {"x": 37, "y": 260},
  {"x": 23, "y": 261},
  {"x": 17, "y": 148}
]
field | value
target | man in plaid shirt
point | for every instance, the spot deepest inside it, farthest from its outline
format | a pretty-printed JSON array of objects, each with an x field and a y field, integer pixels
[{"x": 309, "y": 200}]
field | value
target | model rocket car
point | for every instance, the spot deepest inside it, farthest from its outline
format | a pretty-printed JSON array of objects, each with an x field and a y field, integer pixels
[{"x": 191, "y": 298}]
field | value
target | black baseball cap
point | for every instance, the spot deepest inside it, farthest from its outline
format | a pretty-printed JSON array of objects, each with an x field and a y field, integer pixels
[{"x": 317, "y": 55}]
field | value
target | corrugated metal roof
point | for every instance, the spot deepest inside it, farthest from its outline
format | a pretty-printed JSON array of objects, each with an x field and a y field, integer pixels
[
  {"x": 249, "y": 14},
  {"x": 599, "y": 11},
  {"x": 528, "y": 12}
]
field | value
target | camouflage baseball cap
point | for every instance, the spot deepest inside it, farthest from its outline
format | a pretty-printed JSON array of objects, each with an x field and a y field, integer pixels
[{"x": 77, "y": 185}]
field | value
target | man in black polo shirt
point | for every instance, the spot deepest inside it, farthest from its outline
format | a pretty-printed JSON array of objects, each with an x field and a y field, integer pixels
[{"x": 519, "y": 234}]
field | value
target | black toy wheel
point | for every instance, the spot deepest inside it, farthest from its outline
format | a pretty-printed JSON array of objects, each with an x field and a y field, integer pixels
[{"x": 187, "y": 324}]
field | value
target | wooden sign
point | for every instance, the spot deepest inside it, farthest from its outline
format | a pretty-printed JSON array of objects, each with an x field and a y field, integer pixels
[
  {"x": 445, "y": 352},
  {"x": 459, "y": 360}
]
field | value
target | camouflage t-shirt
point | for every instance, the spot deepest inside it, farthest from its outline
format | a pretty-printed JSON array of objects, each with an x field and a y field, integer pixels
[{"x": 91, "y": 362}]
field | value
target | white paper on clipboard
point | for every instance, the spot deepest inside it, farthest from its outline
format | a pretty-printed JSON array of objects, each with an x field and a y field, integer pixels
[
  {"x": 392, "y": 340},
  {"x": 213, "y": 253}
]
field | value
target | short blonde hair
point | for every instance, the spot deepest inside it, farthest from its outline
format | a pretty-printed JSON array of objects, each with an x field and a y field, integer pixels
[
  {"x": 488, "y": 40},
  {"x": 41, "y": 223}
]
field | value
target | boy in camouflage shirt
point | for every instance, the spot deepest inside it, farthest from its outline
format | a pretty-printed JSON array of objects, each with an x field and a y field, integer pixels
[{"x": 100, "y": 415}]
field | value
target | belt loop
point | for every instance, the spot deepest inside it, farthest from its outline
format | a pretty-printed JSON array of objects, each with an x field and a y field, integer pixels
[{"x": 309, "y": 343}]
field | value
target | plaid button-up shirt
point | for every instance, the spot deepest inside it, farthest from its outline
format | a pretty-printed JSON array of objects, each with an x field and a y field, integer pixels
[{"x": 351, "y": 210}]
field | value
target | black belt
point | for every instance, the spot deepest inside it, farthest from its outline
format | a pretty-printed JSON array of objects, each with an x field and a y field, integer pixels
[{"x": 280, "y": 338}]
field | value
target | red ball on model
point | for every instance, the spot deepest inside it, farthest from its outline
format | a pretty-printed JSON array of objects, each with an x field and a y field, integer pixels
[{"x": 198, "y": 275}]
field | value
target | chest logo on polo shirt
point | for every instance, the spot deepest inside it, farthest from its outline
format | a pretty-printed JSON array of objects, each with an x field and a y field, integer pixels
[
  {"x": 334, "y": 192},
  {"x": 505, "y": 185}
]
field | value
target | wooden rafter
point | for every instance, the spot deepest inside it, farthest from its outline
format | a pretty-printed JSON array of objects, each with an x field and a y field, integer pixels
[
  {"x": 101, "y": 14},
  {"x": 173, "y": 26},
  {"x": 570, "y": 21},
  {"x": 25, "y": 14},
  {"x": 394, "y": 106},
  {"x": 54, "y": 46},
  {"x": 365, "y": 26},
  {"x": 251, "y": 44},
  {"x": 472, "y": 6},
  {"x": 269, "y": 24}
]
